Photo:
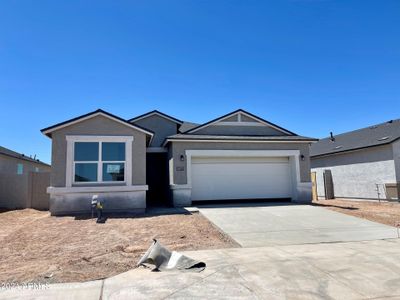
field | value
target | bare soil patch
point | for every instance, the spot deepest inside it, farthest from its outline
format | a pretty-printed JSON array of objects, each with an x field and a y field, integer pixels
[
  {"x": 35, "y": 245},
  {"x": 382, "y": 212}
]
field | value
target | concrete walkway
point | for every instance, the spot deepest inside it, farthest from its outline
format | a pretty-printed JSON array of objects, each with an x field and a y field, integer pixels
[
  {"x": 287, "y": 224},
  {"x": 353, "y": 270}
]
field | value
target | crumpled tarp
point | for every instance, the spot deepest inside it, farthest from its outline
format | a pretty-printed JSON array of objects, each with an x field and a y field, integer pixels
[{"x": 164, "y": 260}]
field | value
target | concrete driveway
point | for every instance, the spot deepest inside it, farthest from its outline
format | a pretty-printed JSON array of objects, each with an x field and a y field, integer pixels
[{"x": 261, "y": 225}]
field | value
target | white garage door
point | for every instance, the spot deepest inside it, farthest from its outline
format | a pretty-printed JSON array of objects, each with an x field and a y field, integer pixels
[{"x": 240, "y": 178}]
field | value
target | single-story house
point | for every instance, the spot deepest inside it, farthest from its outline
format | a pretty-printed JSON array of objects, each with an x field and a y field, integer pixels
[
  {"x": 236, "y": 156},
  {"x": 12, "y": 162},
  {"x": 361, "y": 164}
]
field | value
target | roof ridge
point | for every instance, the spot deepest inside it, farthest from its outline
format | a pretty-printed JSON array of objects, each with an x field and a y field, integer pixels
[
  {"x": 363, "y": 128},
  {"x": 155, "y": 111},
  {"x": 371, "y": 136},
  {"x": 245, "y": 112},
  {"x": 15, "y": 154}
]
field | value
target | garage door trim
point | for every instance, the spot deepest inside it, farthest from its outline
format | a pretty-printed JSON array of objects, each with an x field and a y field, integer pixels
[{"x": 292, "y": 154}]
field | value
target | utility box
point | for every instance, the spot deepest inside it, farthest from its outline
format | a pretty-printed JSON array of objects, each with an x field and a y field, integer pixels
[{"x": 392, "y": 191}]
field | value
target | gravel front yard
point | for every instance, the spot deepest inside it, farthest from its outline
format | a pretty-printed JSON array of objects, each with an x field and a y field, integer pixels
[
  {"x": 35, "y": 245},
  {"x": 382, "y": 212}
]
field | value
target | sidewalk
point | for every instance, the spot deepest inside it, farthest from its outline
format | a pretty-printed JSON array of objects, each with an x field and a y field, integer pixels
[{"x": 353, "y": 270}]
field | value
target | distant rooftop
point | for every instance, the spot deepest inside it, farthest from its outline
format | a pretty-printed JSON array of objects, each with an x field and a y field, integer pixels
[
  {"x": 375, "y": 135},
  {"x": 14, "y": 154}
]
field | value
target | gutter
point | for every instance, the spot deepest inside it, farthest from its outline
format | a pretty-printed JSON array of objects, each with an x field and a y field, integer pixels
[{"x": 235, "y": 141}]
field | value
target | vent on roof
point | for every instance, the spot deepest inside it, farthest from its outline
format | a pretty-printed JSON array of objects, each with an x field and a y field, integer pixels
[
  {"x": 383, "y": 138},
  {"x": 337, "y": 147},
  {"x": 332, "y": 138},
  {"x": 390, "y": 121},
  {"x": 374, "y": 127}
]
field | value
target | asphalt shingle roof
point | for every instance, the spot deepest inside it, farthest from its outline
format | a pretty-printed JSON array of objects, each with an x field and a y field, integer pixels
[
  {"x": 14, "y": 154},
  {"x": 187, "y": 126},
  {"x": 381, "y": 134}
]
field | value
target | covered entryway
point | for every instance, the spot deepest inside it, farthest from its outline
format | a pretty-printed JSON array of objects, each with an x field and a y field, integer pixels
[
  {"x": 157, "y": 179},
  {"x": 232, "y": 178}
]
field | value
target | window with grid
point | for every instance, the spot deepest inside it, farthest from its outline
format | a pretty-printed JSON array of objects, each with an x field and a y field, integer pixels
[{"x": 99, "y": 162}]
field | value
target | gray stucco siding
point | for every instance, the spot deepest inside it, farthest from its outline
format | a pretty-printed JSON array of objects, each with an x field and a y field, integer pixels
[
  {"x": 161, "y": 127},
  {"x": 358, "y": 180},
  {"x": 355, "y": 174},
  {"x": 366, "y": 155},
  {"x": 396, "y": 158},
  {"x": 179, "y": 148},
  {"x": 9, "y": 164},
  {"x": 239, "y": 130},
  {"x": 98, "y": 125}
]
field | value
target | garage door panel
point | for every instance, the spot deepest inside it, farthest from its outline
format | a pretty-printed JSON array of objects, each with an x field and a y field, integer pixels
[
  {"x": 239, "y": 159},
  {"x": 240, "y": 178}
]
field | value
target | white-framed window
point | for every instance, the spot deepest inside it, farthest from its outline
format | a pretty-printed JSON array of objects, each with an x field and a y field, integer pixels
[{"x": 99, "y": 160}]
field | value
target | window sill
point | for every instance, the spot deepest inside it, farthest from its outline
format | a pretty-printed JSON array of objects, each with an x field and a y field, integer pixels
[
  {"x": 105, "y": 183},
  {"x": 96, "y": 189}
]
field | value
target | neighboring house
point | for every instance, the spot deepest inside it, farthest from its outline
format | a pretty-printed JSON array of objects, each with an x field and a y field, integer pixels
[
  {"x": 236, "y": 156},
  {"x": 23, "y": 181},
  {"x": 361, "y": 162},
  {"x": 12, "y": 162}
]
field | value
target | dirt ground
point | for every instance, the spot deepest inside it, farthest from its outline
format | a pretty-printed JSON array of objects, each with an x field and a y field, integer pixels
[
  {"x": 35, "y": 246},
  {"x": 382, "y": 212}
]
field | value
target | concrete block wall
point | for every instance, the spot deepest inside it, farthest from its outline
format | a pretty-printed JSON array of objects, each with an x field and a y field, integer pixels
[{"x": 24, "y": 191}]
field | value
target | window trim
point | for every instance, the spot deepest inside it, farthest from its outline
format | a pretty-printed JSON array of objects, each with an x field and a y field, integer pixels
[{"x": 70, "y": 166}]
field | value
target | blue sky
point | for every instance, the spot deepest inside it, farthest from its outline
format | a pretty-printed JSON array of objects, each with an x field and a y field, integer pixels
[{"x": 310, "y": 66}]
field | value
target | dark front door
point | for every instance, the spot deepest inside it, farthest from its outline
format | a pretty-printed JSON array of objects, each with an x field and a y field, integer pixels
[{"x": 157, "y": 179}]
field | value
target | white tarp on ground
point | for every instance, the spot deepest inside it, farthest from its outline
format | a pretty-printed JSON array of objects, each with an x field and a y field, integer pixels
[{"x": 163, "y": 259}]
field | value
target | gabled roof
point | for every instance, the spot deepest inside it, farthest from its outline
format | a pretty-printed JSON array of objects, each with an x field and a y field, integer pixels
[
  {"x": 99, "y": 112},
  {"x": 376, "y": 135},
  {"x": 238, "y": 138},
  {"x": 14, "y": 154},
  {"x": 246, "y": 114},
  {"x": 187, "y": 126},
  {"x": 158, "y": 113}
]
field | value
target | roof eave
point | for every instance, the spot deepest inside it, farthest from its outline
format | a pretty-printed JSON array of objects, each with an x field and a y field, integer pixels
[
  {"x": 48, "y": 130},
  {"x": 26, "y": 158},
  {"x": 353, "y": 149},
  {"x": 183, "y": 139}
]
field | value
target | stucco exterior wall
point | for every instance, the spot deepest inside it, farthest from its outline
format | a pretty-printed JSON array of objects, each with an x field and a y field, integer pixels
[
  {"x": 180, "y": 167},
  {"x": 239, "y": 130},
  {"x": 160, "y": 126},
  {"x": 9, "y": 164},
  {"x": 365, "y": 155},
  {"x": 355, "y": 174},
  {"x": 114, "y": 202},
  {"x": 396, "y": 158},
  {"x": 98, "y": 125}
]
